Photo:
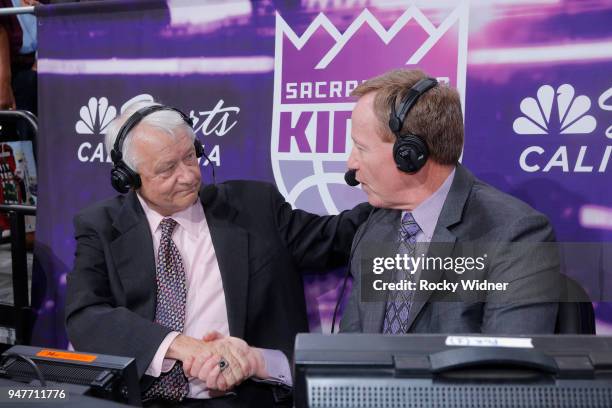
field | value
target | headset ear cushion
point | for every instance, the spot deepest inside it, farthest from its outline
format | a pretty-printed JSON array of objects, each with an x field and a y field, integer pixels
[
  {"x": 123, "y": 178},
  {"x": 119, "y": 180},
  {"x": 410, "y": 153}
]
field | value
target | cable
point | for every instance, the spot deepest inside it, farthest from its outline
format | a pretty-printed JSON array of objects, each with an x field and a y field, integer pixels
[
  {"x": 212, "y": 166},
  {"x": 28, "y": 360}
]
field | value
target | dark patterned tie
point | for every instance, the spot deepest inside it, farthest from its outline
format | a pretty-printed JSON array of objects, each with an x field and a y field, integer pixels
[
  {"x": 398, "y": 305},
  {"x": 170, "y": 311}
]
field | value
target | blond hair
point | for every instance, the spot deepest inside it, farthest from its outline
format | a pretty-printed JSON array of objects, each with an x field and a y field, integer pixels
[{"x": 436, "y": 117}]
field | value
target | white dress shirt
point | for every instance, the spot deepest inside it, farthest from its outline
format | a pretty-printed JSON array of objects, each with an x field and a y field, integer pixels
[{"x": 205, "y": 310}]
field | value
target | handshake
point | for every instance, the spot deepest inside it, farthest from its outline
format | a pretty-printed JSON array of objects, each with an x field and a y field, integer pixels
[{"x": 222, "y": 362}]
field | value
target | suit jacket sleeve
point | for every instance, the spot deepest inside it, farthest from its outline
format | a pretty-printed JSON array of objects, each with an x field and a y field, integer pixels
[
  {"x": 317, "y": 242},
  {"x": 95, "y": 321},
  {"x": 529, "y": 262}
]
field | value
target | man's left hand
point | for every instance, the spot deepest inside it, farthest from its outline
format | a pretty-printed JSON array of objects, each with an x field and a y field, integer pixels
[{"x": 242, "y": 362}]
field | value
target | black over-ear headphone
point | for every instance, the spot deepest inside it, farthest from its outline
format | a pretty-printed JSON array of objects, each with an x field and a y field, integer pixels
[
  {"x": 122, "y": 177},
  {"x": 410, "y": 151}
]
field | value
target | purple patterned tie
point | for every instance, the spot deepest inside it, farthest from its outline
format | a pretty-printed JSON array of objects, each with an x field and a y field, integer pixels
[
  {"x": 170, "y": 311},
  {"x": 398, "y": 305}
]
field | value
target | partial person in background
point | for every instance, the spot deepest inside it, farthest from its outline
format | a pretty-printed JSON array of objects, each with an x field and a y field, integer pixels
[
  {"x": 18, "y": 46},
  {"x": 18, "y": 79},
  {"x": 200, "y": 284}
]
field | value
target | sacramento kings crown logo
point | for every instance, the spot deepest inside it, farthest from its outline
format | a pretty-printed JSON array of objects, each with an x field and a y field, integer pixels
[{"x": 315, "y": 73}]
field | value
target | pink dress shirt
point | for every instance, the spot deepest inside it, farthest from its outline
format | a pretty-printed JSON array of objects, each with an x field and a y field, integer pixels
[{"x": 206, "y": 309}]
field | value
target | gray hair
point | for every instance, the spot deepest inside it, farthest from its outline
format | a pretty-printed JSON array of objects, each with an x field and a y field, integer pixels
[{"x": 165, "y": 120}]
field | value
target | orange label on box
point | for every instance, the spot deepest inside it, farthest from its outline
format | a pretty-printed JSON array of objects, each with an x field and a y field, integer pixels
[{"x": 66, "y": 355}]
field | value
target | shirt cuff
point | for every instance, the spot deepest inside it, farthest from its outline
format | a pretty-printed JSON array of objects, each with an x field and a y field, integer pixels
[
  {"x": 277, "y": 366},
  {"x": 159, "y": 364}
]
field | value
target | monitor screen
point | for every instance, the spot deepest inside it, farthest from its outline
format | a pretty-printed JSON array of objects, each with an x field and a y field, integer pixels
[{"x": 375, "y": 370}]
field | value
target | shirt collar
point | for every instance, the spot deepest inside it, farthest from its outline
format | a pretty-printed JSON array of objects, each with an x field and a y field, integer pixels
[
  {"x": 190, "y": 218},
  {"x": 428, "y": 212}
]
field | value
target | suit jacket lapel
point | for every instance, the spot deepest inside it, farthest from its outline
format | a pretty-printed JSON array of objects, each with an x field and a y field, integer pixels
[
  {"x": 450, "y": 215},
  {"x": 383, "y": 230},
  {"x": 231, "y": 248},
  {"x": 133, "y": 256}
]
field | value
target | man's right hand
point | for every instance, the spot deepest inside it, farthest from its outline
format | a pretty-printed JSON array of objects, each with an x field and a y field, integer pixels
[{"x": 201, "y": 359}]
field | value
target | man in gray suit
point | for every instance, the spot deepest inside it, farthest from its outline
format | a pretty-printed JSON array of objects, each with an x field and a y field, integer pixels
[{"x": 407, "y": 132}]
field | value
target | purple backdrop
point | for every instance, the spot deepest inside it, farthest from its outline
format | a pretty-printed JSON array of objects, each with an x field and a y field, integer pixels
[{"x": 267, "y": 83}]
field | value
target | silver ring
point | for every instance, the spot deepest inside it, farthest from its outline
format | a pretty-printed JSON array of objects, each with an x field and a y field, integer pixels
[{"x": 223, "y": 364}]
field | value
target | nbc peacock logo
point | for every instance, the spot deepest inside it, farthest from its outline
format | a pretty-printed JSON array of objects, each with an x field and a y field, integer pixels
[
  {"x": 94, "y": 119},
  {"x": 95, "y": 116},
  {"x": 559, "y": 112},
  {"x": 569, "y": 117}
]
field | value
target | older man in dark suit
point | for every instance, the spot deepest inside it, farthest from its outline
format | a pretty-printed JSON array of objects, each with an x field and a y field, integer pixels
[{"x": 201, "y": 285}]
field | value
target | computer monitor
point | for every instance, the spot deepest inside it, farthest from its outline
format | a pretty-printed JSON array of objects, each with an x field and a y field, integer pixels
[
  {"x": 375, "y": 370},
  {"x": 101, "y": 375}
]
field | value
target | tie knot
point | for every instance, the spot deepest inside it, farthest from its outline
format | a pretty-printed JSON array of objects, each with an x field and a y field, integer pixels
[
  {"x": 167, "y": 226},
  {"x": 409, "y": 227}
]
